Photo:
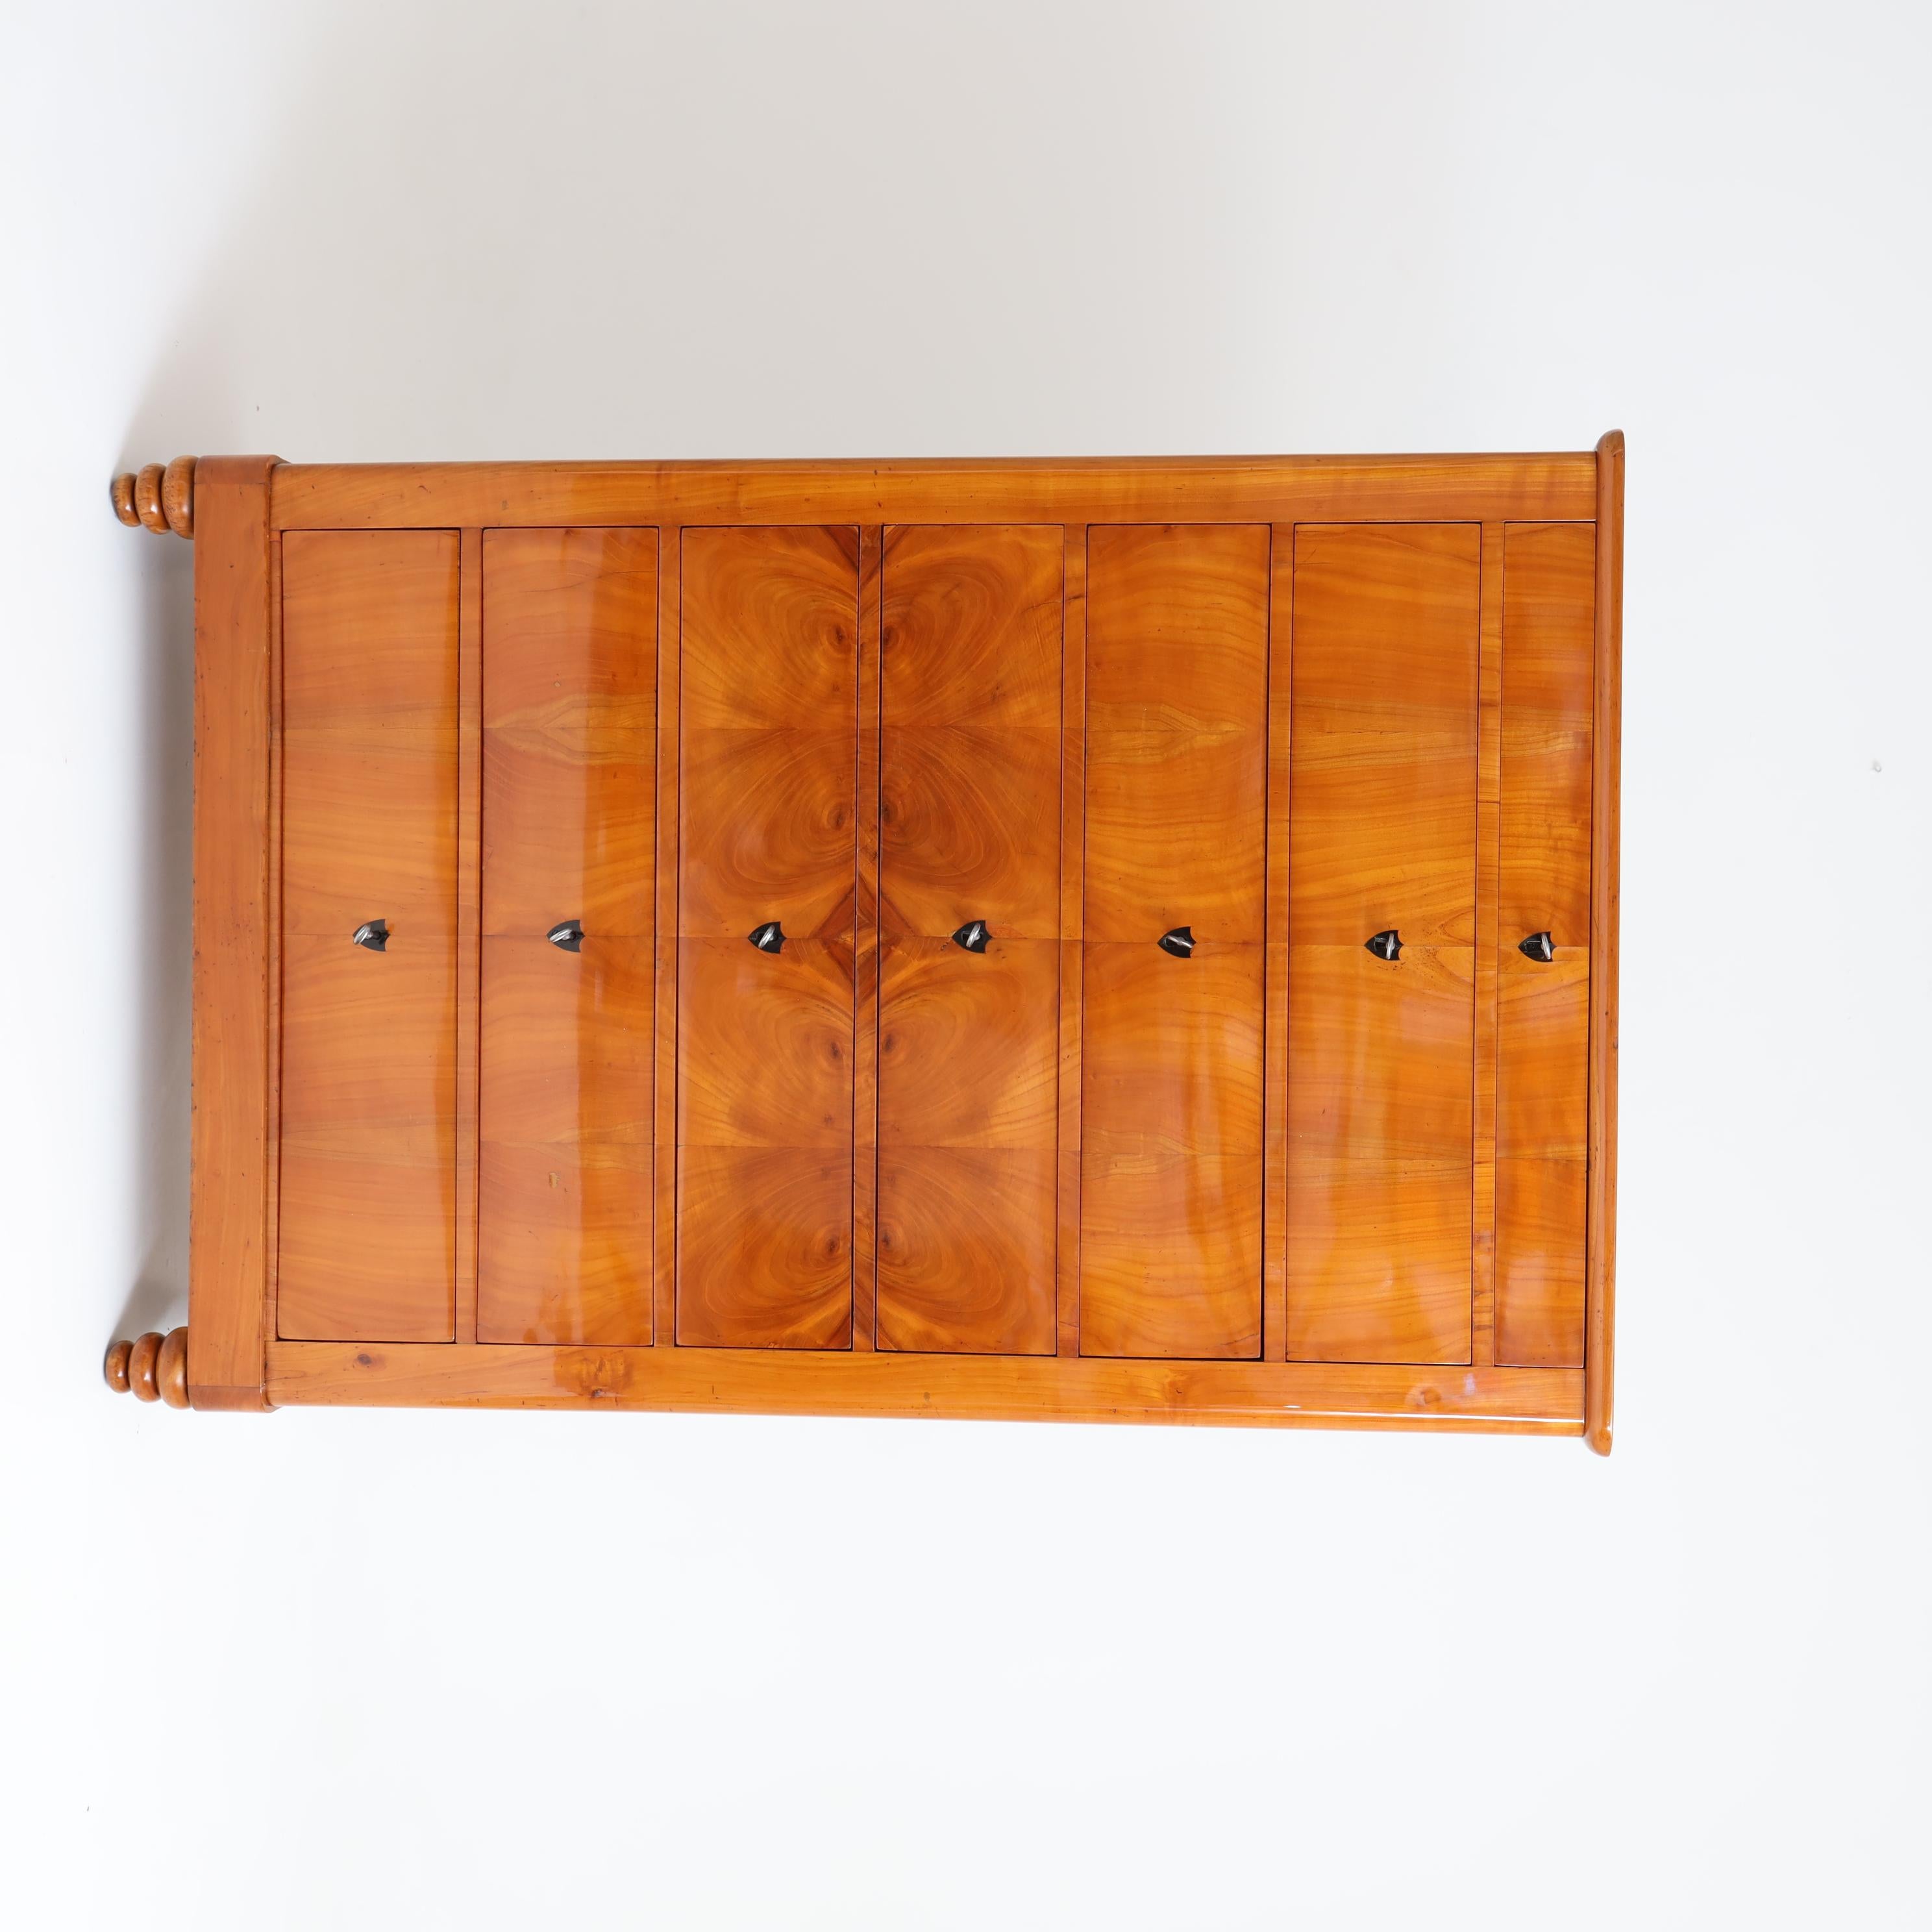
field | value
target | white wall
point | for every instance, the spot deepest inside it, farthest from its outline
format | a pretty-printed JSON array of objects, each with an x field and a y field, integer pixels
[{"x": 318, "y": 1668}]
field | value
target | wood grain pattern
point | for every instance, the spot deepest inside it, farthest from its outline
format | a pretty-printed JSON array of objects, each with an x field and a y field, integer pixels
[
  {"x": 1176, "y": 744},
  {"x": 866, "y": 950},
  {"x": 1605, "y": 837},
  {"x": 969, "y": 1055},
  {"x": 768, "y": 806},
  {"x": 784, "y": 1203},
  {"x": 1072, "y": 928},
  {"x": 1380, "y": 1174},
  {"x": 368, "y": 1141},
  {"x": 1280, "y": 826},
  {"x": 1542, "y": 1095},
  {"x": 1386, "y": 644},
  {"x": 664, "y": 1152},
  {"x": 570, "y": 721},
  {"x": 1543, "y": 1013},
  {"x": 565, "y": 1133},
  {"x": 1205, "y": 490},
  {"x": 230, "y": 1143},
  {"x": 1171, "y": 1166},
  {"x": 1380, "y": 1155},
  {"x": 1548, "y": 625},
  {"x": 1489, "y": 823},
  {"x": 969, "y": 1045},
  {"x": 1004, "y": 1387},
  {"x": 469, "y": 662},
  {"x": 369, "y": 738}
]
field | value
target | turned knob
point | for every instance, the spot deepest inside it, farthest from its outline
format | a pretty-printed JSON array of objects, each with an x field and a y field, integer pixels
[
  {"x": 153, "y": 1367},
  {"x": 159, "y": 499}
]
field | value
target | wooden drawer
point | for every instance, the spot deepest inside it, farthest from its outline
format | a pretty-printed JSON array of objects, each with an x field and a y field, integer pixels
[
  {"x": 368, "y": 1085},
  {"x": 768, "y": 733},
  {"x": 1176, "y": 666},
  {"x": 969, "y": 1033}
]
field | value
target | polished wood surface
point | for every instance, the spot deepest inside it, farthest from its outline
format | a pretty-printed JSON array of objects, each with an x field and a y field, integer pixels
[
  {"x": 758, "y": 1252},
  {"x": 1548, "y": 635},
  {"x": 115, "y": 1368},
  {"x": 1543, "y": 1054},
  {"x": 230, "y": 1149},
  {"x": 369, "y": 736},
  {"x": 1380, "y": 1154},
  {"x": 565, "y": 1239},
  {"x": 969, "y": 1061},
  {"x": 1383, "y": 734},
  {"x": 1176, "y": 666},
  {"x": 366, "y": 1204},
  {"x": 1016, "y": 1388},
  {"x": 566, "y": 1159},
  {"x": 769, "y": 727},
  {"x": 1605, "y": 837},
  {"x": 1073, "y": 491},
  {"x": 968, "y": 1043},
  {"x": 1170, "y": 1172},
  {"x": 368, "y": 1147},
  {"x": 1177, "y": 732},
  {"x": 569, "y": 731}
]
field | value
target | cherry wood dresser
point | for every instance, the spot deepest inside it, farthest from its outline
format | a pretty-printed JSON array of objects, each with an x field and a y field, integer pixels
[{"x": 1119, "y": 940}]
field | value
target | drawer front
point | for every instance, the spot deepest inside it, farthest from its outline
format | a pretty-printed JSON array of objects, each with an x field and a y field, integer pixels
[
  {"x": 768, "y": 742},
  {"x": 367, "y": 1195},
  {"x": 569, "y": 823},
  {"x": 564, "y": 1128},
  {"x": 1543, "y": 1025},
  {"x": 369, "y": 728},
  {"x": 570, "y": 632},
  {"x": 1176, "y": 794},
  {"x": 970, "y": 671},
  {"x": 1382, "y": 839}
]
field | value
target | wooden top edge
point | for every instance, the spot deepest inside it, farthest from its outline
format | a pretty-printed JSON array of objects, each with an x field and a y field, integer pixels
[
  {"x": 1251, "y": 465},
  {"x": 1610, "y": 443}
]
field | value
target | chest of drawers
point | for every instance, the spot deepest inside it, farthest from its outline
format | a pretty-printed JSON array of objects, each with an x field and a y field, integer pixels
[{"x": 1099, "y": 940}]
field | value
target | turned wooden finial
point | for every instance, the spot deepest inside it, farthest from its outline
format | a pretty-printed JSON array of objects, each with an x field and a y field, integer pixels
[
  {"x": 153, "y": 1367},
  {"x": 160, "y": 498}
]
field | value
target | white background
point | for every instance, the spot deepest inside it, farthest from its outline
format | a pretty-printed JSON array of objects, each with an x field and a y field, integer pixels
[{"x": 358, "y": 1668}]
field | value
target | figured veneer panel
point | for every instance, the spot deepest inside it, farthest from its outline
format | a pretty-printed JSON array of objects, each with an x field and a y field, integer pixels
[
  {"x": 1383, "y": 736},
  {"x": 569, "y": 721},
  {"x": 565, "y": 1133},
  {"x": 768, "y": 829},
  {"x": 1176, "y": 743},
  {"x": 1542, "y": 1157},
  {"x": 764, "y": 1250},
  {"x": 368, "y": 1141},
  {"x": 969, "y": 829},
  {"x": 966, "y": 1249},
  {"x": 770, "y": 625},
  {"x": 970, "y": 626},
  {"x": 769, "y": 736},
  {"x": 1549, "y": 631},
  {"x": 969, "y": 1062},
  {"x": 969, "y": 1043},
  {"x": 969, "y": 656},
  {"x": 369, "y": 729},
  {"x": 1170, "y": 1159}
]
